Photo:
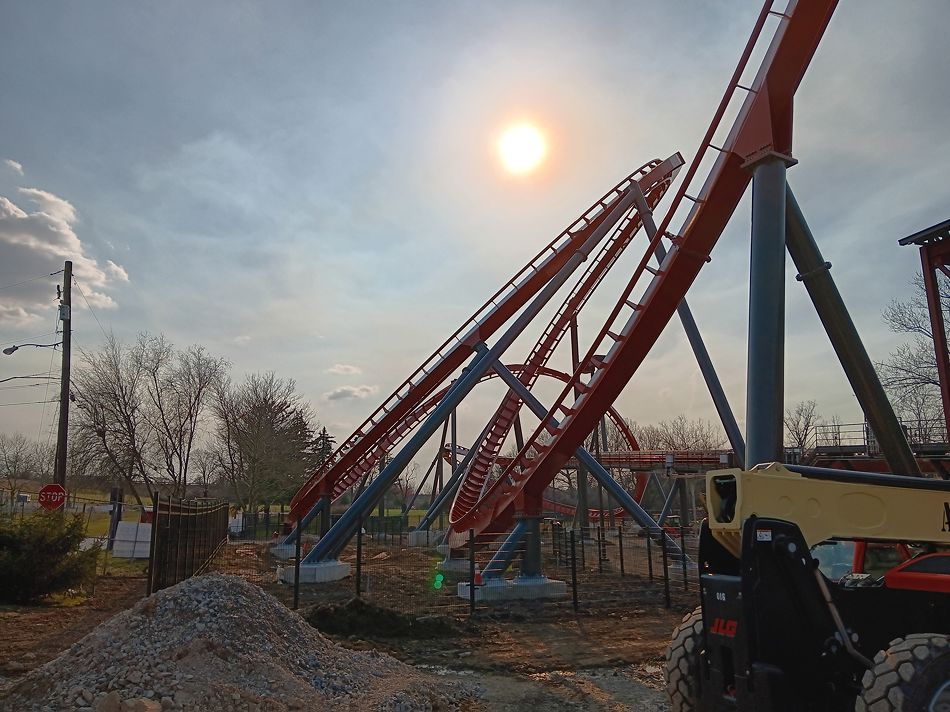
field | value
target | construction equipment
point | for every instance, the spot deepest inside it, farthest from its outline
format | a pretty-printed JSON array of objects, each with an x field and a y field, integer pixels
[{"x": 774, "y": 632}]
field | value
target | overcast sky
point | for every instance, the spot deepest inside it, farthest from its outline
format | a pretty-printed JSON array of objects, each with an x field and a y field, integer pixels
[{"x": 313, "y": 188}]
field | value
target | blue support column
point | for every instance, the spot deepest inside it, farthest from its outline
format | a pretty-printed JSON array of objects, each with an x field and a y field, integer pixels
[
  {"x": 332, "y": 544},
  {"x": 633, "y": 508},
  {"x": 506, "y": 552},
  {"x": 451, "y": 487},
  {"x": 322, "y": 503},
  {"x": 726, "y": 416},
  {"x": 765, "y": 380}
]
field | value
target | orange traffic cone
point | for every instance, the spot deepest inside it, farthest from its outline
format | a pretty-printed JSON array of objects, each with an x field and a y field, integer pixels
[{"x": 478, "y": 576}]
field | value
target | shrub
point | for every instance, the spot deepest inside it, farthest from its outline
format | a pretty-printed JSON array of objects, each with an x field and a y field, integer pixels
[{"x": 40, "y": 555}]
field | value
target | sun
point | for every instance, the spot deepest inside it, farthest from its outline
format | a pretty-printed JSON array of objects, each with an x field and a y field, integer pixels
[{"x": 522, "y": 148}]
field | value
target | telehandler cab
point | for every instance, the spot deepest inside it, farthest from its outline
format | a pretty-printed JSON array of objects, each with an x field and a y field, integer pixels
[{"x": 779, "y": 629}]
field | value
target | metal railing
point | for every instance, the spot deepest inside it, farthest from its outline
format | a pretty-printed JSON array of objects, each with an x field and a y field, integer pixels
[{"x": 923, "y": 434}]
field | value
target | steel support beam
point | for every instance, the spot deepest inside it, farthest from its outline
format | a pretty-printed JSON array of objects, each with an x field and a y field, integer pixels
[
  {"x": 323, "y": 502},
  {"x": 721, "y": 403},
  {"x": 451, "y": 487},
  {"x": 340, "y": 533},
  {"x": 765, "y": 380},
  {"x": 937, "y": 326},
  {"x": 531, "y": 557},
  {"x": 506, "y": 552},
  {"x": 581, "y": 520},
  {"x": 633, "y": 508},
  {"x": 815, "y": 274}
]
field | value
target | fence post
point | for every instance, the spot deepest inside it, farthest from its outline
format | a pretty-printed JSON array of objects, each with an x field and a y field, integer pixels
[
  {"x": 152, "y": 546},
  {"x": 574, "y": 567},
  {"x": 620, "y": 547},
  {"x": 683, "y": 556},
  {"x": 666, "y": 573},
  {"x": 650, "y": 554},
  {"x": 359, "y": 559},
  {"x": 471, "y": 571},
  {"x": 297, "y": 566},
  {"x": 600, "y": 550}
]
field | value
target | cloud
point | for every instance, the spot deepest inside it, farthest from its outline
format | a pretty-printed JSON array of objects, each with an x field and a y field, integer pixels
[
  {"x": 116, "y": 271},
  {"x": 349, "y": 392},
  {"x": 37, "y": 242},
  {"x": 14, "y": 166},
  {"x": 344, "y": 369}
]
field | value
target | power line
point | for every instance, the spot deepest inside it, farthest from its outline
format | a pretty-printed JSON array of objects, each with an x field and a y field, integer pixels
[
  {"x": 7, "y": 405},
  {"x": 91, "y": 310},
  {"x": 32, "y": 375},
  {"x": 29, "y": 338},
  {"x": 49, "y": 375},
  {"x": 31, "y": 279},
  {"x": 20, "y": 387}
]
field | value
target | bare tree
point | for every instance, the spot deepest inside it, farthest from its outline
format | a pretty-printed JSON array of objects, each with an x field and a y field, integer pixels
[
  {"x": 177, "y": 385},
  {"x": 404, "y": 486},
  {"x": 801, "y": 423},
  {"x": 680, "y": 433},
  {"x": 910, "y": 372},
  {"x": 110, "y": 420},
  {"x": 18, "y": 462},
  {"x": 140, "y": 409}
]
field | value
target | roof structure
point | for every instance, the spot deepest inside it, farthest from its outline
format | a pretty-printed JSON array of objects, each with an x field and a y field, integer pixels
[{"x": 934, "y": 233}]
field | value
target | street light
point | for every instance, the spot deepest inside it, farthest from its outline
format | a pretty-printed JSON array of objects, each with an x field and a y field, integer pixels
[{"x": 10, "y": 349}]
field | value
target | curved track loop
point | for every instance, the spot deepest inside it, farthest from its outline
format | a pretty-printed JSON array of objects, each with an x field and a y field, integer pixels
[
  {"x": 763, "y": 125},
  {"x": 386, "y": 426},
  {"x": 476, "y": 478},
  {"x": 427, "y": 406}
]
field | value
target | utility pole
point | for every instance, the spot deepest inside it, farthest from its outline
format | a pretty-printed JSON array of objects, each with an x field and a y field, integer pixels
[{"x": 65, "y": 315}]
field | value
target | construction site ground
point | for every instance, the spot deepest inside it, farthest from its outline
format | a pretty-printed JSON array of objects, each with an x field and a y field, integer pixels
[{"x": 518, "y": 654}]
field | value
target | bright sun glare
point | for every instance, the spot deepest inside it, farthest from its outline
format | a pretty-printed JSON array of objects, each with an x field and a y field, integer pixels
[{"x": 522, "y": 148}]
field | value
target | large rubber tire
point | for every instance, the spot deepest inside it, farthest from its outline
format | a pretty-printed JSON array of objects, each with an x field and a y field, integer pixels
[
  {"x": 682, "y": 663},
  {"x": 912, "y": 674}
]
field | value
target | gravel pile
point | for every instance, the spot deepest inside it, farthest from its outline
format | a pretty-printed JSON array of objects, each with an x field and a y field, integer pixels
[{"x": 216, "y": 642}]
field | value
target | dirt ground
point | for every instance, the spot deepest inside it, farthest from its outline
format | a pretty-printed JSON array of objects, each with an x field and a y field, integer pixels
[
  {"x": 606, "y": 656},
  {"x": 33, "y": 635}
]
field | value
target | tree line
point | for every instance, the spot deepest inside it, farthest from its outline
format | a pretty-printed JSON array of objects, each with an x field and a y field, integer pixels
[{"x": 147, "y": 415}]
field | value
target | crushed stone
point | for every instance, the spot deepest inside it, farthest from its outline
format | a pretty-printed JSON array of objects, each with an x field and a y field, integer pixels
[{"x": 216, "y": 643}]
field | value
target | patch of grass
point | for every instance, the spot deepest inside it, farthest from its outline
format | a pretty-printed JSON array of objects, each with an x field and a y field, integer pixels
[
  {"x": 98, "y": 522},
  {"x": 110, "y": 565}
]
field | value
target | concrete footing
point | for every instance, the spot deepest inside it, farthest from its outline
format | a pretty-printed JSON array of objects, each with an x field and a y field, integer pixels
[
  {"x": 322, "y": 572},
  {"x": 283, "y": 551},
  {"x": 450, "y": 564},
  {"x": 425, "y": 537},
  {"x": 518, "y": 588}
]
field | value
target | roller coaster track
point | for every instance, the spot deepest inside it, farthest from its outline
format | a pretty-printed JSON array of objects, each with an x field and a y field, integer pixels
[
  {"x": 762, "y": 126},
  {"x": 392, "y": 420},
  {"x": 475, "y": 479}
]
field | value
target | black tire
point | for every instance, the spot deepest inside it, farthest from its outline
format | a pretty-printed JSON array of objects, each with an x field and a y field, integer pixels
[
  {"x": 682, "y": 663},
  {"x": 912, "y": 674}
]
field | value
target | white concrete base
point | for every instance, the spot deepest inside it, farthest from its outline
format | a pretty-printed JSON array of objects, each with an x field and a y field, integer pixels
[
  {"x": 322, "y": 572},
  {"x": 429, "y": 537},
  {"x": 283, "y": 551},
  {"x": 454, "y": 565},
  {"x": 519, "y": 588}
]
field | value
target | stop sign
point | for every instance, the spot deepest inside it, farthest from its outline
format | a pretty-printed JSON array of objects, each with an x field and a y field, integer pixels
[{"x": 52, "y": 496}]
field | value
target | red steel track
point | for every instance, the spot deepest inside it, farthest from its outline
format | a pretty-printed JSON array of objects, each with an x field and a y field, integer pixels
[
  {"x": 762, "y": 127},
  {"x": 474, "y": 479},
  {"x": 391, "y": 421}
]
